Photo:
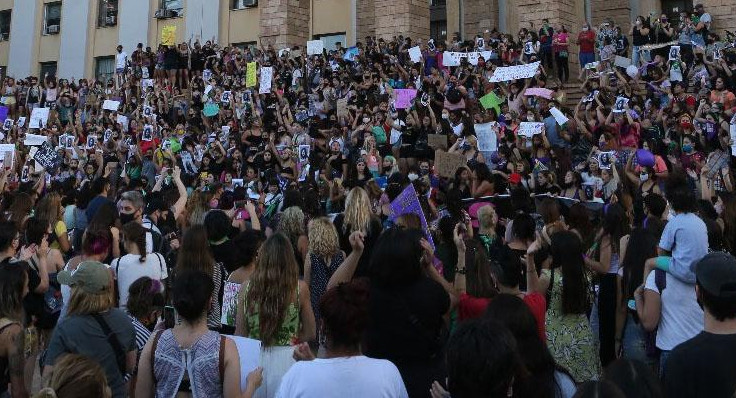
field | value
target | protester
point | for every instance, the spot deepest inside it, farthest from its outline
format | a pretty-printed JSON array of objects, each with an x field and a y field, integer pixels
[
  {"x": 13, "y": 288},
  {"x": 76, "y": 375}
]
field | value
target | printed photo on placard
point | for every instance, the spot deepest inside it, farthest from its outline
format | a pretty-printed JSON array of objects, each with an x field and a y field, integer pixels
[
  {"x": 225, "y": 98},
  {"x": 8, "y": 124},
  {"x": 430, "y": 45},
  {"x": 147, "y": 111},
  {"x": 91, "y": 141},
  {"x": 70, "y": 142},
  {"x": 166, "y": 145},
  {"x": 22, "y": 121},
  {"x": 108, "y": 134},
  {"x": 674, "y": 53},
  {"x": 147, "y": 133}
]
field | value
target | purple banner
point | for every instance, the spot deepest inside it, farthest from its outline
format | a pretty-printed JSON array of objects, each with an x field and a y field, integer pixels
[
  {"x": 3, "y": 113},
  {"x": 408, "y": 202}
]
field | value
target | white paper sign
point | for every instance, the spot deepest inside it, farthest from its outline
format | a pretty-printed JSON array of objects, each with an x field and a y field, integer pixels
[
  {"x": 415, "y": 53},
  {"x": 622, "y": 62},
  {"x": 146, "y": 83},
  {"x": 451, "y": 58},
  {"x": 39, "y": 117},
  {"x": 111, "y": 105},
  {"x": 315, "y": 47},
  {"x": 486, "y": 137},
  {"x": 34, "y": 139},
  {"x": 21, "y": 121},
  {"x": 732, "y": 133},
  {"x": 123, "y": 120},
  {"x": 508, "y": 73},
  {"x": 249, "y": 351},
  {"x": 7, "y": 148},
  {"x": 559, "y": 116},
  {"x": 529, "y": 129},
  {"x": 266, "y": 76}
]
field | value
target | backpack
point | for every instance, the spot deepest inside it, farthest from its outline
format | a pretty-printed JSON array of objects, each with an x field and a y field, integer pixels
[{"x": 650, "y": 338}]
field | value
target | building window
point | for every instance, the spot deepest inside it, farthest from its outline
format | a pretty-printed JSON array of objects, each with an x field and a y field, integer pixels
[
  {"x": 330, "y": 40},
  {"x": 52, "y": 19},
  {"x": 5, "y": 24},
  {"x": 438, "y": 30},
  {"x": 48, "y": 68},
  {"x": 104, "y": 68},
  {"x": 107, "y": 14},
  {"x": 243, "y": 4},
  {"x": 170, "y": 9},
  {"x": 435, "y": 3},
  {"x": 247, "y": 46}
]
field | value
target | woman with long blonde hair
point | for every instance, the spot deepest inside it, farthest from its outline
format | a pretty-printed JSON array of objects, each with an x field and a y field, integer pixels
[
  {"x": 323, "y": 258},
  {"x": 274, "y": 307},
  {"x": 194, "y": 211},
  {"x": 358, "y": 217},
  {"x": 91, "y": 323},
  {"x": 49, "y": 208},
  {"x": 291, "y": 224}
]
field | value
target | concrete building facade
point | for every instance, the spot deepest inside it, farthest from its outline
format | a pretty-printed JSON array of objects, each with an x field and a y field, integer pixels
[{"x": 77, "y": 38}]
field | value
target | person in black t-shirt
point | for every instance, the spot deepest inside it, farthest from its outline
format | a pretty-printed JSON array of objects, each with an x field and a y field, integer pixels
[{"x": 705, "y": 366}]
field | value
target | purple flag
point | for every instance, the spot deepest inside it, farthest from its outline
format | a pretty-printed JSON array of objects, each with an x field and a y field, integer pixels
[
  {"x": 408, "y": 202},
  {"x": 3, "y": 113}
]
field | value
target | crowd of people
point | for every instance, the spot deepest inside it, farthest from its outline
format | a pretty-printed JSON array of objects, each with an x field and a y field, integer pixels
[{"x": 183, "y": 201}]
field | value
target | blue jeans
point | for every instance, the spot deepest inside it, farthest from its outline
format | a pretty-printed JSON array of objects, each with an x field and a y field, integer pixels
[
  {"x": 586, "y": 58},
  {"x": 634, "y": 341},
  {"x": 635, "y": 56},
  {"x": 663, "y": 357}
]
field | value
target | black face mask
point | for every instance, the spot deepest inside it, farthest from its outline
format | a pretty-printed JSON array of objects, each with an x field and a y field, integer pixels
[{"x": 126, "y": 218}]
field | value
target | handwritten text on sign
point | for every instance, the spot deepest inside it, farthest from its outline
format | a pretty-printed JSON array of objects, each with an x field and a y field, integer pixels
[{"x": 504, "y": 74}]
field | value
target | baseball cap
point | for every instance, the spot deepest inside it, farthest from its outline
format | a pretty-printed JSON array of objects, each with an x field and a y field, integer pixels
[
  {"x": 92, "y": 276},
  {"x": 716, "y": 273}
]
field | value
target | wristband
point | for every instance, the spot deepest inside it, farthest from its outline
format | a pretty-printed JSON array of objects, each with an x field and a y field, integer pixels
[{"x": 461, "y": 271}]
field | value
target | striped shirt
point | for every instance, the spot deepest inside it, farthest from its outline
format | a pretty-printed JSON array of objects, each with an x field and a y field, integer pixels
[{"x": 141, "y": 337}]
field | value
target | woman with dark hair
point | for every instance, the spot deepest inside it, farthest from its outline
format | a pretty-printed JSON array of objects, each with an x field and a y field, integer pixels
[
  {"x": 136, "y": 263},
  {"x": 145, "y": 305},
  {"x": 195, "y": 255},
  {"x": 606, "y": 255},
  {"x": 409, "y": 300},
  {"x": 463, "y": 182},
  {"x": 344, "y": 370},
  {"x": 13, "y": 289},
  {"x": 569, "y": 334},
  {"x": 636, "y": 248},
  {"x": 482, "y": 181},
  {"x": 475, "y": 287},
  {"x": 105, "y": 220},
  {"x": 246, "y": 246},
  {"x": 578, "y": 221},
  {"x": 522, "y": 235},
  {"x": 482, "y": 361},
  {"x": 173, "y": 358},
  {"x": 546, "y": 378}
]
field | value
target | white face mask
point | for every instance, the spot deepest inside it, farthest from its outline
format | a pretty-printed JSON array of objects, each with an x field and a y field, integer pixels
[
  {"x": 366, "y": 119},
  {"x": 643, "y": 177},
  {"x": 530, "y": 118},
  {"x": 445, "y": 116},
  {"x": 413, "y": 176}
]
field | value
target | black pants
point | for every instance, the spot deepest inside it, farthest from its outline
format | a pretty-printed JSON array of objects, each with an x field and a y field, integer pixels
[
  {"x": 563, "y": 68},
  {"x": 545, "y": 55},
  {"x": 607, "y": 318}
]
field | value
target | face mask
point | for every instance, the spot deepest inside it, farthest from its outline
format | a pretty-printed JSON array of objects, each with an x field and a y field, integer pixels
[
  {"x": 126, "y": 218},
  {"x": 530, "y": 118},
  {"x": 643, "y": 177},
  {"x": 687, "y": 148},
  {"x": 366, "y": 119},
  {"x": 413, "y": 176},
  {"x": 445, "y": 116},
  {"x": 585, "y": 28}
]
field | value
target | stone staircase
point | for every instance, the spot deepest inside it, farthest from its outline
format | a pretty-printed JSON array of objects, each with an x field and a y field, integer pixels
[{"x": 572, "y": 93}]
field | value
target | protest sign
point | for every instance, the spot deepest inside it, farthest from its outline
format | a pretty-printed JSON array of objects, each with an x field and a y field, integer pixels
[
  {"x": 351, "y": 53},
  {"x": 486, "y": 137},
  {"x": 7, "y": 155},
  {"x": 315, "y": 47},
  {"x": 147, "y": 134},
  {"x": 448, "y": 163},
  {"x": 91, "y": 141},
  {"x": 303, "y": 153},
  {"x": 674, "y": 53},
  {"x": 34, "y": 139},
  {"x": 123, "y": 121},
  {"x": 539, "y": 92},
  {"x": 605, "y": 159},
  {"x": 342, "y": 107},
  {"x": 211, "y": 109},
  {"x": 451, "y": 58},
  {"x": 491, "y": 100},
  {"x": 47, "y": 157},
  {"x": 559, "y": 116},
  {"x": 266, "y": 76},
  {"x": 404, "y": 97},
  {"x": 529, "y": 129},
  {"x": 284, "y": 52},
  {"x": 415, "y": 54},
  {"x": 716, "y": 161},
  {"x": 168, "y": 35},
  {"x": 225, "y": 97},
  {"x": 39, "y": 117},
  {"x": 473, "y": 58},
  {"x": 21, "y": 121},
  {"x": 437, "y": 141},
  {"x": 508, "y": 73},
  {"x": 8, "y": 124},
  {"x": 732, "y": 134},
  {"x": 249, "y": 351},
  {"x": 620, "y": 104},
  {"x": 111, "y": 105},
  {"x": 250, "y": 75},
  {"x": 408, "y": 202}
]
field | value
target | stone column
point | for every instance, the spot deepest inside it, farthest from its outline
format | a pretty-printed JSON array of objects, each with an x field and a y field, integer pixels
[
  {"x": 479, "y": 16},
  {"x": 365, "y": 19},
  {"x": 402, "y": 17},
  {"x": 570, "y": 13},
  {"x": 284, "y": 23}
]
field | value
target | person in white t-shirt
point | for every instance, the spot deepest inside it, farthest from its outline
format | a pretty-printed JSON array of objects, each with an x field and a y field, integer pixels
[
  {"x": 136, "y": 264},
  {"x": 121, "y": 62},
  {"x": 344, "y": 371}
]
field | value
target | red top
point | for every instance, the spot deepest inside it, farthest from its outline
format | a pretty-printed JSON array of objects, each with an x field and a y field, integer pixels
[
  {"x": 586, "y": 39},
  {"x": 473, "y": 307}
]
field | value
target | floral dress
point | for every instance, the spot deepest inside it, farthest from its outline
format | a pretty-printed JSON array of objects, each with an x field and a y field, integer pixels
[{"x": 570, "y": 337}]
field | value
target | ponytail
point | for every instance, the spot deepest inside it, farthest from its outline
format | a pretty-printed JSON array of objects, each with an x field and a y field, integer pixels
[
  {"x": 141, "y": 243},
  {"x": 136, "y": 234}
]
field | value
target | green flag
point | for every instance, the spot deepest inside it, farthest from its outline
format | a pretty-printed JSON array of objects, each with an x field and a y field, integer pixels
[{"x": 491, "y": 100}]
